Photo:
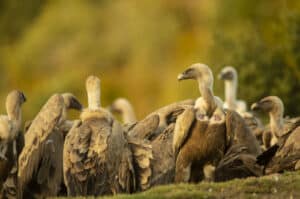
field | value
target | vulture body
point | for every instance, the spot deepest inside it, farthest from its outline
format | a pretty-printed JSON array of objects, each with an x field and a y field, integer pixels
[
  {"x": 284, "y": 155},
  {"x": 40, "y": 163},
  {"x": 97, "y": 159},
  {"x": 151, "y": 143},
  {"x": 158, "y": 121},
  {"x": 10, "y": 128},
  {"x": 240, "y": 158},
  {"x": 200, "y": 137}
]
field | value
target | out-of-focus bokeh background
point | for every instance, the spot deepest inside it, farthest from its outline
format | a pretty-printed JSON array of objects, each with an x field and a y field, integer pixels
[{"x": 139, "y": 47}]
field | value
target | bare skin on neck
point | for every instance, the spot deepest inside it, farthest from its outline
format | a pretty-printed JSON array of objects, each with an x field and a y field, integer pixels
[
  {"x": 230, "y": 93},
  {"x": 208, "y": 96},
  {"x": 93, "y": 92}
]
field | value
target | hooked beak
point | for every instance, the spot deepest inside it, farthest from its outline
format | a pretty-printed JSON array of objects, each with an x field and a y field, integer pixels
[
  {"x": 180, "y": 77},
  {"x": 183, "y": 76},
  {"x": 221, "y": 76},
  {"x": 255, "y": 106},
  {"x": 24, "y": 97},
  {"x": 75, "y": 104}
]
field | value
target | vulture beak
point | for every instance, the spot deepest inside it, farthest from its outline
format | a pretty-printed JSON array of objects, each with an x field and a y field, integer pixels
[
  {"x": 180, "y": 77},
  {"x": 75, "y": 104},
  {"x": 185, "y": 75},
  {"x": 221, "y": 76},
  {"x": 24, "y": 97},
  {"x": 255, "y": 106}
]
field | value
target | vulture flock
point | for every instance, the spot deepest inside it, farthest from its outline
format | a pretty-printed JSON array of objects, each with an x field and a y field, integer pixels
[{"x": 185, "y": 142}]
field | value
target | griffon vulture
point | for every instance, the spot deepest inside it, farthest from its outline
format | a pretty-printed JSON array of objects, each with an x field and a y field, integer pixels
[
  {"x": 200, "y": 137},
  {"x": 204, "y": 133},
  {"x": 151, "y": 143},
  {"x": 40, "y": 163},
  {"x": 284, "y": 154},
  {"x": 230, "y": 77},
  {"x": 97, "y": 159},
  {"x": 10, "y": 133}
]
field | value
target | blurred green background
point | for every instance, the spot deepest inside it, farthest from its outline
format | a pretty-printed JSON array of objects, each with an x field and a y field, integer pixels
[{"x": 137, "y": 48}]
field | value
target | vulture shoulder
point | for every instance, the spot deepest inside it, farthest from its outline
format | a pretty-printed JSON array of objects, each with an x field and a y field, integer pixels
[
  {"x": 144, "y": 129},
  {"x": 182, "y": 127},
  {"x": 168, "y": 114},
  {"x": 283, "y": 156},
  {"x": 238, "y": 162},
  {"x": 41, "y": 127},
  {"x": 238, "y": 132},
  {"x": 291, "y": 124}
]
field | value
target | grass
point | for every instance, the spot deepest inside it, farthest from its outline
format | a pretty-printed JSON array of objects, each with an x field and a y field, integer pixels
[{"x": 275, "y": 186}]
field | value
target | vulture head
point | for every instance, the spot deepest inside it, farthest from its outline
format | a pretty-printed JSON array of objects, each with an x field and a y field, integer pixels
[
  {"x": 14, "y": 100},
  {"x": 93, "y": 92},
  {"x": 271, "y": 104},
  {"x": 123, "y": 107},
  {"x": 200, "y": 72},
  {"x": 71, "y": 102},
  {"x": 228, "y": 74},
  {"x": 119, "y": 105}
]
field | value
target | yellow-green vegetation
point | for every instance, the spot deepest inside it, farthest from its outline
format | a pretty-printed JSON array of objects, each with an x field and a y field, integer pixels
[
  {"x": 274, "y": 186},
  {"x": 138, "y": 48}
]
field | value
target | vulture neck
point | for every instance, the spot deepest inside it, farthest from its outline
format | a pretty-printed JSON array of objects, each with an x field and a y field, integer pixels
[
  {"x": 128, "y": 115},
  {"x": 64, "y": 116},
  {"x": 14, "y": 114},
  {"x": 230, "y": 93},
  {"x": 94, "y": 99},
  {"x": 208, "y": 96},
  {"x": 276, "y": 123}
]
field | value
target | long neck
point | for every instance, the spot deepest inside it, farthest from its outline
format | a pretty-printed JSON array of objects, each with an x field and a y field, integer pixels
[
  {"x": 94, "y": 98},
  {"x": 208, "y": 96},
  {"x": 64, "y": 116},
  {"x": 276, "y": 123},
  {"x": 14, "y": 113},
  {"x": 230, "y": 93},
  {"x": 128, "y": 114}
]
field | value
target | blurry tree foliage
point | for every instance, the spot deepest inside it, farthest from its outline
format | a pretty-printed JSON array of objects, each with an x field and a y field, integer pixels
[
  {"x": 261, "y": 39},
  {"x": 137, "y": 48}
]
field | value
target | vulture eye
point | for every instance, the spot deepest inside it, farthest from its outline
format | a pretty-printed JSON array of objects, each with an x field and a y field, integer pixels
[{"x": 188, "y": 70}]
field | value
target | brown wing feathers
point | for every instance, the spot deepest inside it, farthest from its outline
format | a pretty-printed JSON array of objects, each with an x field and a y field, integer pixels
[{"x": 38, "y": 132}]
